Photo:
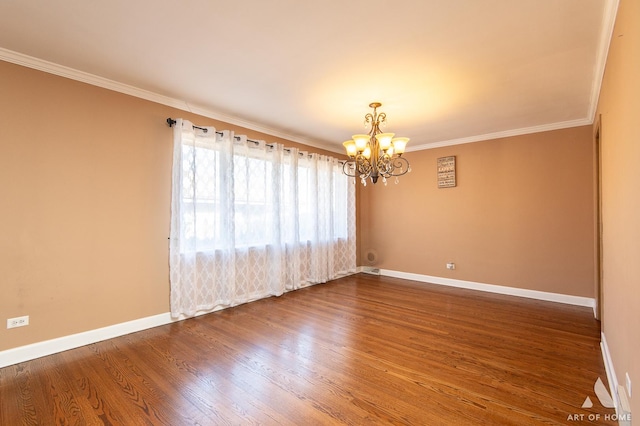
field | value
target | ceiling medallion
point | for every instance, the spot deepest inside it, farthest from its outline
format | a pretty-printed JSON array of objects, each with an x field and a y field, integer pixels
[{"x": 376, "y": 154}]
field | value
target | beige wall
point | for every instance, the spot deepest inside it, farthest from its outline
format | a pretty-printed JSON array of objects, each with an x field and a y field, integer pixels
[
  {"x": 520, "y": 216},
  {"x": 619, "y": 109},
  {"x": 85, "y": 178}
]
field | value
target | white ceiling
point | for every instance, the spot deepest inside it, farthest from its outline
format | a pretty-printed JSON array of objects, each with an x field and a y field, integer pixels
[{"x": 445, "y": 71}]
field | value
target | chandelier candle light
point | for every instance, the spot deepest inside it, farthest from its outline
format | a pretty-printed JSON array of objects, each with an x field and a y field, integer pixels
[{"x": 376, "y": 154}]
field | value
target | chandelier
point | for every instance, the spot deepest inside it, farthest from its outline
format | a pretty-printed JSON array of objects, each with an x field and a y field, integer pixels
[{"x": 377, "y": 154}]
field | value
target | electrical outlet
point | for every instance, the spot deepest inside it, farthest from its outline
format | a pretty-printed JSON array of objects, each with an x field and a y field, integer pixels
[
  {"x": 628, "y": 384},
  {"x": 18, "y": 321},
  {"x": 451, "y": 265}
]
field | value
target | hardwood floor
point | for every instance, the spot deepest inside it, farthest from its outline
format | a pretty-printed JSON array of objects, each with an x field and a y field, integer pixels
[{"x": 359, "y": 350}]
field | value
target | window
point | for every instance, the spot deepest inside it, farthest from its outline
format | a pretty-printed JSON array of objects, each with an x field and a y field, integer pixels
[
  {"x": 257, "y": 191},
  {"x": 249, "y": 220}
]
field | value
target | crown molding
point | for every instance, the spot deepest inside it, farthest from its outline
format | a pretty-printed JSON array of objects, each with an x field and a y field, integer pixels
[
  {"x": 94, "y": 80},
  {"x": 505, "y": 134},
  {"x": 84, "y": 77}
]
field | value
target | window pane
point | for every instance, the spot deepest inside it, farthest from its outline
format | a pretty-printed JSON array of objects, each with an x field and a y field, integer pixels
[{"x": 263, "y": 208}]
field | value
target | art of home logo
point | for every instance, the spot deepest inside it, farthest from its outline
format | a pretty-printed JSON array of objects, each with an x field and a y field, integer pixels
[{"x": 606, "y": 401}]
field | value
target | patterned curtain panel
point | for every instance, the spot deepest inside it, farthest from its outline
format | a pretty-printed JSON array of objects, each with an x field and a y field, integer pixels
[{"x": 251, "y": 220}]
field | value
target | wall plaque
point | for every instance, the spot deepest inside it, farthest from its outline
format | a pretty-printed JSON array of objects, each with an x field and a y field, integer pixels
[{"x": 447, "y": 172}]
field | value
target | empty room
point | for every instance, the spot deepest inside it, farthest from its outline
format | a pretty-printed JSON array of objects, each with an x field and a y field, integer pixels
[{"x": 318, "y": 213}]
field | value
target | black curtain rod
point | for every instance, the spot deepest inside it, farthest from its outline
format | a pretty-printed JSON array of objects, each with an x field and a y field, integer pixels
[
  {"x": 171, "y": 122},
  {"x": 266, "y": 144},
  {"x": 252, "y": 141}
]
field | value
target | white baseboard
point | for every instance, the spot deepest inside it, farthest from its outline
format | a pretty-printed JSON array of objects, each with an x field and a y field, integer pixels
[
  {"x": 611, "y": 372},
  {"x": 491, "y": 288},
  {"x": 48, "y": 347},
  {"x": 60, "y": 344}
]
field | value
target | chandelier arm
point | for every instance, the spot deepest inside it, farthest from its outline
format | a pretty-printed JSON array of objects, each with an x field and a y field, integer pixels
[
  {"x": 348, "y": 166},
  {"x": 400, "y": 166},
  {"x": 382, "y": 118},
  {"x": 385, "y": 165},
  {"x": 369, "y": 118},
  {"x": 364, "y": 167}
]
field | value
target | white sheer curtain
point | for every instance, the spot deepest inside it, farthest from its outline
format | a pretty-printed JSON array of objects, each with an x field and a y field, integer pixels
[{"x": 251, "y": 220}]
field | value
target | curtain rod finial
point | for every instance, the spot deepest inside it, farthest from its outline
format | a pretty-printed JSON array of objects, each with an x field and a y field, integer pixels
[{"x": 171, "y": 121}]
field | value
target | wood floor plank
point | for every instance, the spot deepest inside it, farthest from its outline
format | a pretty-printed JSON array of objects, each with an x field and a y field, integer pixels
[
  {"x": 257, "y": 367},
  {"x": 355, "y": 351},
  {"x": 190, "y": 380},
  {"x": 8, "y": 406}
]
